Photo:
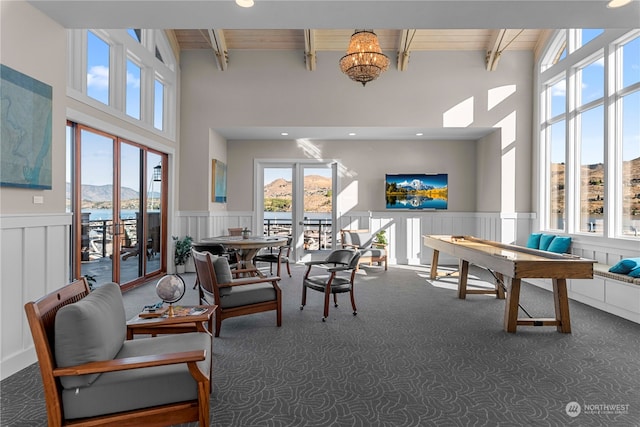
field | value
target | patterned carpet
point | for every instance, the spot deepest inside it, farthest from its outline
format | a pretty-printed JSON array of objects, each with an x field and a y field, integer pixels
[{"x": 415, "y": 355}]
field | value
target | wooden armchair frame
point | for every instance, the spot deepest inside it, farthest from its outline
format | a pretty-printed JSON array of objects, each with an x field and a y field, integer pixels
[
  {"x": 210, "y": 288},
  {"x": 41, "y": 316},
  {"x": 366, "y": 259}
]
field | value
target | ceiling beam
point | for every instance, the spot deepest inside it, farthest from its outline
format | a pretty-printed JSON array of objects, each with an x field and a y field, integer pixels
[
  {"x": 404, "y": 49},
  {"x": 219, "y": 46},
  {"x": 493, "y": 49},
  {"x": 310, "y": 49}
]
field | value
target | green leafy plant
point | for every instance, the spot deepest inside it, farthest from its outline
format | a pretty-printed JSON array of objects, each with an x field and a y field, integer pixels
[
  {"x": 381, "y": 237},
  {"x": 182, "y": 250}
]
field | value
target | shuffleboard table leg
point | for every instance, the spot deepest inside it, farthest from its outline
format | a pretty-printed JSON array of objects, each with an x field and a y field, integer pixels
[
  {"x": 561, "y": 301},
  {"x": 511, "y": 305},
  {"x": 433, "y": 275},
  {"x": 462, "y": 280}
]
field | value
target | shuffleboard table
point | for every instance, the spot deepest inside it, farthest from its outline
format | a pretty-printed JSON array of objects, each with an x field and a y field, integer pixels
[{"x": 511, "y": 264}]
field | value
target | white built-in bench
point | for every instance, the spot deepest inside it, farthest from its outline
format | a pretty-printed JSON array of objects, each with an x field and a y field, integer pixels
[
  {"x": 614, "y": 293},
  {"x": 603, "y": 270}
]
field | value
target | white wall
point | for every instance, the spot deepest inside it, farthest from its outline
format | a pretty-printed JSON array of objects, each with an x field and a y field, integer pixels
[
  {"x": 363, "y": 165},
  {"x": 439, "y": 90},
  {"x": 34, "y": 237}
]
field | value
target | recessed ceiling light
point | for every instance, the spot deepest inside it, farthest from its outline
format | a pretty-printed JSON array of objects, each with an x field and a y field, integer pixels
[
  {"x": 244, "y": 3},
  {"x": 352, "y": 134},
  {"x": 618, "y": 3},
  {"x": 284, "y": 134},
  {"x": 419, "y": 134}
]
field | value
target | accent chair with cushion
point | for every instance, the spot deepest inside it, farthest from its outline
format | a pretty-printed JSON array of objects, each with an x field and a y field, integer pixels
[
  {"x": 332, "y": 280},
  {"x": 233, "y": 295},
  {"x": 93, "y": 376},
  {"x": 363, "y": 242}
]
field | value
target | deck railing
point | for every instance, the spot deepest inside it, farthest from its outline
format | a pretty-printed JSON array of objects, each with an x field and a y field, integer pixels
[{"x": 317, "y": 232}]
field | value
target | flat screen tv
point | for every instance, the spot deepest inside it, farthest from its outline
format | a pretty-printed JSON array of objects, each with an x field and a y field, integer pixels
[{"x": 416, "y": 191}]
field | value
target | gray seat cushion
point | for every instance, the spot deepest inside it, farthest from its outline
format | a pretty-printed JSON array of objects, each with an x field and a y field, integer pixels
[
  {"x": 372, "y": 252},
  {"x": 92, "y": 329},
  {"x": 248, "y": 294},
  {"x": 139, "y": 388},
  {"x": 362, "y": 239}
]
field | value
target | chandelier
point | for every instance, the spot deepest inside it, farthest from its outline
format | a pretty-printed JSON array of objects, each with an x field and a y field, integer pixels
[{"x": 364, "y": 60}]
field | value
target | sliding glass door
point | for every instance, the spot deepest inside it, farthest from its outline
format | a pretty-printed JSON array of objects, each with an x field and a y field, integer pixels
[{"x": 118, "y": 234}]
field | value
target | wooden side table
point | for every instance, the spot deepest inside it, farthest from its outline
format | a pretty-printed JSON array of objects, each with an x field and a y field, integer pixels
[{"x": 173, "y": 325}]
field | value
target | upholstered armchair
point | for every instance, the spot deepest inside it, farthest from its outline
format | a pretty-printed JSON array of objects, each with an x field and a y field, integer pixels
[
  {"x": 93, "y": 376},
  {"x": 235, "y": 292},
  {"x": 363, "y": 242}
]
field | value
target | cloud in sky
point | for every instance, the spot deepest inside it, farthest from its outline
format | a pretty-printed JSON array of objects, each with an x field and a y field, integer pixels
[
  {"x": 133, "y": 80},
  {"x": 98, "y": 77}
]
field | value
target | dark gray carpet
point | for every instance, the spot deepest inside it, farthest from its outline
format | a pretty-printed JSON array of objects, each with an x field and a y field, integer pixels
[{"x": 415, "y": 355}]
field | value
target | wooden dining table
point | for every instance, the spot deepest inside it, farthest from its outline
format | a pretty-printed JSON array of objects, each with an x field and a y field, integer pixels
[{"x": 247, "y": 247}]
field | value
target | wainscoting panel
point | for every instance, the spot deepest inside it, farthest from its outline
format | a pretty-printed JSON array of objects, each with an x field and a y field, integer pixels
[{"x": 34, "y": 261}]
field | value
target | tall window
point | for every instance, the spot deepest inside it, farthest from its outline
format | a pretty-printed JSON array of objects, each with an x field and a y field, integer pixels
[
  {"x": 133, "y": 90},
  {"x": 97, "y": 68},
  {"x": 132, "y": 73},
  {"x": 557, "y": 173},
  {"x": 590, "y": 133},
  {"x": 158, "y": 105},
  {"x": 591, "y": 142},
  {"x": 628, "y": 103}
]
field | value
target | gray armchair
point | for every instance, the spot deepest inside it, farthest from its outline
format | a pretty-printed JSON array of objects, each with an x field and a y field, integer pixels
[
  {"x": 233, "y": 294},
  {"x": 93, "y": 376},
  {"x": 333, "y": 280},
  {"x": 362, "y": 241}
]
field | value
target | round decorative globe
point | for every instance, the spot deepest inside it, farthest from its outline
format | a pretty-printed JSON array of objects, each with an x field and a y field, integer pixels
[{"x": 170, "y": 289}]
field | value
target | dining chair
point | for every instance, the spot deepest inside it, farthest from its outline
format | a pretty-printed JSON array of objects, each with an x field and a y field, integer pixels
[
  {"x": 279, "y": 257},
  {"x": 235, "y": 231}
]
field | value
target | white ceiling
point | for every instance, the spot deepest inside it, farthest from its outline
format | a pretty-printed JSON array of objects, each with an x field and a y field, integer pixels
[{"x": 340, "y": 15}]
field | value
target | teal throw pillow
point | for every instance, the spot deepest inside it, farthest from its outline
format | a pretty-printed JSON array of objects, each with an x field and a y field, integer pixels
[
  {"x": 545, "y": 241},
  {"x": 625, "y": 266},
  {"x": 560, "y": 244},
  {"x": 534, "y": 240},
  {"x": 635, "y": 273}
]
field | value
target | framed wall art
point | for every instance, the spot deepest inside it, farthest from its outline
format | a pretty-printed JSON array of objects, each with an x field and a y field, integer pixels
[
  {"x": 218, "y": 181},
  {"x": 25, "y": 123}
]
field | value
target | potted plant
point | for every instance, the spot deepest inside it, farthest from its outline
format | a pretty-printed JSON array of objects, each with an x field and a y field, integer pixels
[
  {"x": 182, "y": 252},
  {"x": 381, "y": 237},
  {"x": 246, "y": 233}
]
